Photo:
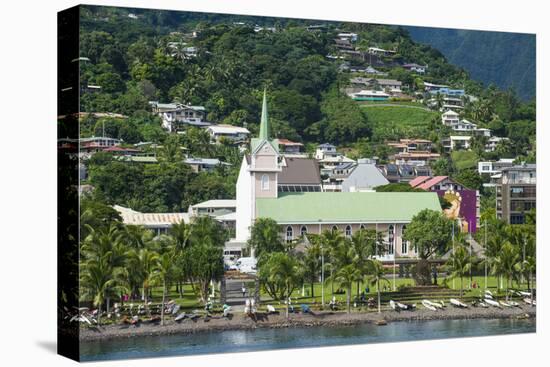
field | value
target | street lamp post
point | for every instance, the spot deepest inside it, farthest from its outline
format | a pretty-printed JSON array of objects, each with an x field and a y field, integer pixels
[
  {"x": 485, "y": 254},
  {"x": 523, "y": 263}
]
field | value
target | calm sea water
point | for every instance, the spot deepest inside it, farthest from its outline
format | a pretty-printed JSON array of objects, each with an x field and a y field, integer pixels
[{"x": 266, "y": 339}]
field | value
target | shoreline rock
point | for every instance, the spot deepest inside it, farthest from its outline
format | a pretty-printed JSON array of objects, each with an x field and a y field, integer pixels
[{"x": 330, "y": 319}]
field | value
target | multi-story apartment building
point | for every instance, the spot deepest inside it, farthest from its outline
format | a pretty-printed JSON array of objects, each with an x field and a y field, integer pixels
[{"x": 516, "y": 192}]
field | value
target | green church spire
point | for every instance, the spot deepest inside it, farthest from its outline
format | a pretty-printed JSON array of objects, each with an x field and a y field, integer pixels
[{"x": 264, "y": 123}]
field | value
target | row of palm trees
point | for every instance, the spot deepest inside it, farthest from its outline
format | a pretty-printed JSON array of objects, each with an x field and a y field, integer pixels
[
  {"x": 349, "y": 260},
  {"x": 121, "y": 259},
  {"x": 509, "y": 254}
]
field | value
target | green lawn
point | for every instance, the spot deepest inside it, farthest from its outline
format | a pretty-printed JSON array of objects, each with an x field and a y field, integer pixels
[
  {"x": 190, "y": 300},
  {"x": 406, "y": 118}
]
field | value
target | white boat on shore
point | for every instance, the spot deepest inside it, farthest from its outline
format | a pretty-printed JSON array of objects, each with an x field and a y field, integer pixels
[
  {"x": 427, "y": 304},
  {"x": 492, "y": 303},
  {"x": 505, "y": 304},
  {"x": 530, "y": 301},
  {"x": 457, "y": 303},
  {"x": 437, "y": 304},
  {"x": 393, "y": 305},
  {"x": 523, "y": 293}
]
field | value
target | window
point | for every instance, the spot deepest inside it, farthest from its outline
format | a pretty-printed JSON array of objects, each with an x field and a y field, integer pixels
[
  {"x": 362, "y": 227},
  {"x": 289, "y": 234},
  {"x": 334, "y": 229},
  {"x": 348, "y": 231},
  {"x": 303, "y": 231},
  {"x": 404, "y": 244},
  {"x": 517, "y": 219},
  {"x": 391, "y": 240},
  {"x": 265, "y": 182}
]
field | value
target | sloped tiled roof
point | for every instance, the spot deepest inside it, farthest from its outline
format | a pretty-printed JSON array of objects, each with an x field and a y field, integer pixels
[
  {"x": 300, "y": 171},
  {"x": 418, "y": 180},
  {"x": 431, "y": 182}
]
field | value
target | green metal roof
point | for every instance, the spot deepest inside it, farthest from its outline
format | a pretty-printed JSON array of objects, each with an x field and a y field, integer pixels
[
  {"x": 255, "y": 143},
  {"x": 346, "y": 207}
]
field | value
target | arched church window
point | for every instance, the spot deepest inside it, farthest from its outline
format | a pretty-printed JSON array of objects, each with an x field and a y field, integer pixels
[
  {"x": 391, "y": 240},
  {"x": 348, "y": 231},
  {"x": 289, "y": 234}
]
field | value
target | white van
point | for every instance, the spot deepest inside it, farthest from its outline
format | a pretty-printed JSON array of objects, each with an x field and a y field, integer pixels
[{"x": 246, "y": 264}]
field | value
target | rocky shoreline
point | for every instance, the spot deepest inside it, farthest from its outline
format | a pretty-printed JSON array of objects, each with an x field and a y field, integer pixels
[{"x": 241, "y": 322}]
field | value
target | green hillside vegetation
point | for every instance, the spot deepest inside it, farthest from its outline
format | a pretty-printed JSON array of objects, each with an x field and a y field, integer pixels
[
  {"x": 464, "y": 159},
  {"x": 391, "y": 122},
  {"x": 137, "y": 60}
]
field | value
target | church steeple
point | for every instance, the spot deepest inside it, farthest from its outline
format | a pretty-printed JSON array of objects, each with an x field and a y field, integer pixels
[{"x": 264, "y": 122}]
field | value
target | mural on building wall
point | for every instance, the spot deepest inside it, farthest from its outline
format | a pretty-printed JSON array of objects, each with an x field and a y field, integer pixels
[{"x": 463, "y": 208}]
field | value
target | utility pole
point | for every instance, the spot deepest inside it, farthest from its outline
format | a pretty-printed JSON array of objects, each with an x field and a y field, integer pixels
[
  {"x": 322, "y": 268},
  {"x": 393, "y": 250},
  {"x": 453, "y": 237}
]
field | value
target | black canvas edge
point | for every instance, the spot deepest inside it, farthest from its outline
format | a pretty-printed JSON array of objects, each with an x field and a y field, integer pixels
[{"x": 68, "y": 182}]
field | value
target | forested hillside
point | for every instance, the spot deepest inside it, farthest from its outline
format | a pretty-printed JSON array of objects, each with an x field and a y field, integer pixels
[
  {"x": 130, "y": 57},
  {"x": 134, "y": 61},
  {"x": 507, "y": 60}
]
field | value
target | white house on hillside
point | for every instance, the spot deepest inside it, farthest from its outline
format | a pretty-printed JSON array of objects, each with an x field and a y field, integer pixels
[
  {"x": 235, "y": 133},
  {"x": 176, "y": 115}
]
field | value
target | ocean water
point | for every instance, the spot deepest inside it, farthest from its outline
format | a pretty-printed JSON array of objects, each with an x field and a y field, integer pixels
[{"x": 269, "y": 339}]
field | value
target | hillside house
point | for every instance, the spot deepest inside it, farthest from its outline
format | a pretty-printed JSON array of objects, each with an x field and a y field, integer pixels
[
  {"x": 234, "y": 133},
  {"x": 175, "y": 116},
  {"x": 419, "y": 69}
]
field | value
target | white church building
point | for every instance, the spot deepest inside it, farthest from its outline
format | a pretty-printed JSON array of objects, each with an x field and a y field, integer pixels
[{"x": 288, "y": 190}]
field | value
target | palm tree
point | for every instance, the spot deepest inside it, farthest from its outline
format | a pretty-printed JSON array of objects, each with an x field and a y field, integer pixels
[
  {"x": 171, "y": 150},
  {"x": 377, "y": 275},
  {"x": 136, "y": 236},
  {"x": 265, "y": 237},
  {"x": 285, "y": 269},
  {"x": 180, "y": 232},
  {"x": 104, "y": 246},
  {"x": 365, "y": 243},
  {"x": 161, "y": 273},
  {"x": 332, "y": 239},
  {"x": 346, "y": 276},
  {"x": 312, "y": 263},
  {"x": 141, "y": 264},
  {"x": 529, "y": 267},
  {"x": 460, "y": 264},
  {"x": 506, "y": 263},
  {"x": 99, "y": 280}
]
